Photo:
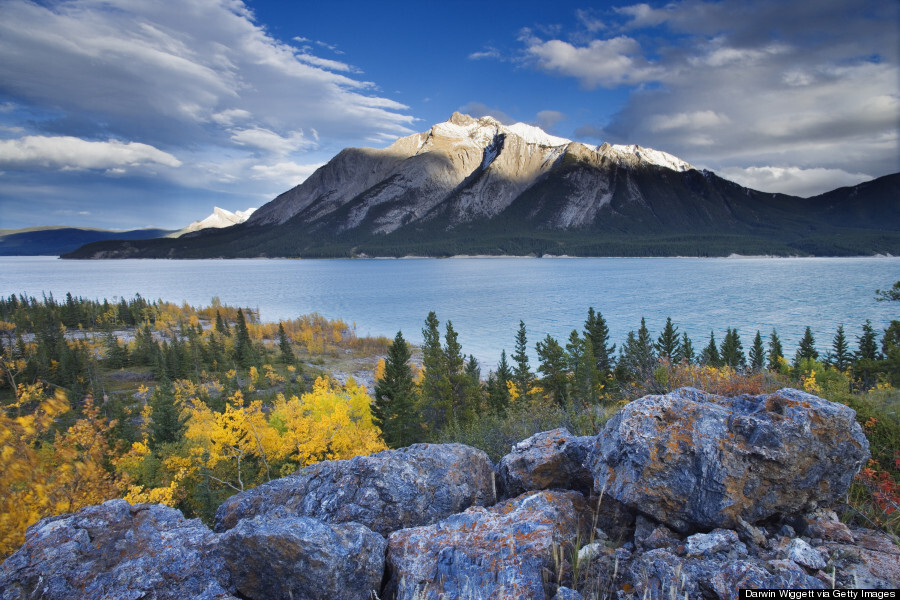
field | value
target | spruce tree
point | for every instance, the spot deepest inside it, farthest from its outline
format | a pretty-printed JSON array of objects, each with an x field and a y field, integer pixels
[
  {"x": 668, "y": 345},
  {"x": 553, "y": 366},
  {"x": 522, "y": 376},
  {"x": 498, "y": 391},
  {"x": 840, "y": 350},
  {"x": 807, "y": 349},
  {"x": 867, "y": 343},
  {"x": 638, "y": 354},
  {"x": 394, "y": 408},
  {"x": 757, "y": 353},
  {"x": 710, "y": 354},
  {"x": 166, "y": 425},
  {"x": 776, "y": 353},
  {"x": 732, "y": 351},
  {"x": 284, "y": 346},
  {"x": 597, "y": 332},
  {"x": 436, "y": 388},
  {"x": 686, "y": 350},
  {"x": 243, "y": 346}
]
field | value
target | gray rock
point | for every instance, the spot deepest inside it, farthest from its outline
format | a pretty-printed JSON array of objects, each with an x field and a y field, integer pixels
[
  {"x": 504, "y": 552},
  {"x": 697, "y": 461},
  {"x": 116, "y": 551},
  {"x": 385, "y": 492},
  {"x": 565, "y": 593},
  {"x": 548, "y": 460},
  {"x": 872, "y": 561},
  {"x": 718, "y": 541},
  {"x": 301, "y": 558},
  {"x": 805, "y": 555}
]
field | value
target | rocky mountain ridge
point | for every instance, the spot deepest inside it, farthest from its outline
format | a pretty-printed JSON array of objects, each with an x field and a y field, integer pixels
[
  {"x": 730, "y": 493},
  {"x": 476, "y": 186}
]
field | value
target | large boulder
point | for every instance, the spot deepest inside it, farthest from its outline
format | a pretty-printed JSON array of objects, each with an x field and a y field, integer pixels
[
  {"x": 697, "y": 461},
  {"x": 509, "y": 551},
  {"x": 301, "y": 558},
  {"x": 117, "y": 551},
  {"x": 548, "y": 460},
  {"x": 385, "y": 492}
]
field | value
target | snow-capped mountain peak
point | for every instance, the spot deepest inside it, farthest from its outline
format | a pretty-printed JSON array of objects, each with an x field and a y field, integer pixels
[{"x": 217, "y": 220}]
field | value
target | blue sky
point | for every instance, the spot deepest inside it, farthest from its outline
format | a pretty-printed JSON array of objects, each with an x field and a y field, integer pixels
[{"x": 147, "y": 113}]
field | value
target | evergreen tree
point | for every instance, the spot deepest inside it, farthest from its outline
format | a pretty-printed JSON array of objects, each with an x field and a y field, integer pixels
[
  {"x": 732, "y": 351},
  {"x": 221, "y": 326},
  {"x": 757, "y": 353},
  {"x": 639, "y": 355},
  {"x": 668, "y": 345},
  {"x": 464, "y": 397},
  {"x": 686, "y": 350},
  {"x": 284, "y": 346},
  {"x": 436, "y": 388},
  {"x": 394, "y": 408},
  {"x": 597, "y": 332},
  {"x": 867, "y": 347},
  {"x": 166, "y": 425},
  {"x": 807, "y": 349},
  {"x": 553, "y": 366},
  {"x": 498, "y": 391},
  {"x": 522, "y": 376},
  {"x": 776, "y": 353},
  {"x": 710, "y": 354},
  {"x": 840, "y": 350},
  {"x": 243, "y": 346}
]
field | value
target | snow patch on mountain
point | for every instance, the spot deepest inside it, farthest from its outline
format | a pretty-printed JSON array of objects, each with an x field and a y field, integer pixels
[{"x": 219, "y": 219}]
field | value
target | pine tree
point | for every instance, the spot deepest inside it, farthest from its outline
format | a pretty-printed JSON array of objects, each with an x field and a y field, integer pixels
[
  {"x": 436, "y": 389},
  {"x": 243, "y": 346},
  {"x": 667, "y": 344},
  {"x": 597, "y": 332},
  {"x": 807, "y": 349},
  {"x": 686, "y": 351},
  {"x": 522, "y": 376},
  {"x": 221, "y": 326},
  {"x": 840, "y": 350},
  {"x": 394, "y": 408},
  {"x": 553, "y": 366},
  {"x": 732, "y": 351},
  {"x": 638, "y": 355},
  {"x": 284, "y": 346},
  {"x": 498, "y": 391},
  {"x": 710, "y": 354},
  {"x": 776, "y": 353},
  {"x": 166, "y": 424},
  {"x": 757, "y": 353},
  {"x": 867, "y": 343}
]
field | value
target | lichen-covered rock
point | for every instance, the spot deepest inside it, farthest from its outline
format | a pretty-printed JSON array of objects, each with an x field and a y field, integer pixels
[
  {"x": 871, "y": 561},
  {"x": 301, "y": 558},
  {"x": 385, "y": 492},
  {"x": 116, "y": 551},
  {"x": 504, "y": 552},
  {"x": 697, "y": 461},
  {"x": 548, "y": 460}
]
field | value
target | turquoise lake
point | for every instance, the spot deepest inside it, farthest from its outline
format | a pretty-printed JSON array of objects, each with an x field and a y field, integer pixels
[{"x": 486, "y": 297}]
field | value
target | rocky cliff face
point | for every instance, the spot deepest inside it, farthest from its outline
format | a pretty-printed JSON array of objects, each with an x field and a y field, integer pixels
[
  {"x": 695, "y": 496},
  {"x": 460, "y": 171}
]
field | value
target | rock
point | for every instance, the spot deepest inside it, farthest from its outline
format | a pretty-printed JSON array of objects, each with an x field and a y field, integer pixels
[
  {"x": 805, "y": 555},
  {"x": 732, "y": 576},
  {"x": 565, "y": 593},
  {"x": 503, "y": 552},
  {"x": 117, "y": 551},
  {"x": 301, "y": 558},
  {"x": 385, "y": 492},
  {"x": 718, "y": 541},
  {"x": 872, "y": 561},
  {"x": 697, "y": 461},
  {"x": 661, "y": 537},
  {"x": 548, "y": 460}
]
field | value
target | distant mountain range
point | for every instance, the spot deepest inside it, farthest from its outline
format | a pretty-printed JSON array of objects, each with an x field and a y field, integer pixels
[
  {"x": 475, "y": 186},
  {"x": 53, "y": 241}
]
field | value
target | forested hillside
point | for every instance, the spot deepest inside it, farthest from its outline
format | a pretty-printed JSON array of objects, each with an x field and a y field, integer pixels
[{"x": 152, "y": 401}]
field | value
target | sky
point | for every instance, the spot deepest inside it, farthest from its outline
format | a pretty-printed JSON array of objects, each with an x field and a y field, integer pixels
[{"x": 125, "y": 114}]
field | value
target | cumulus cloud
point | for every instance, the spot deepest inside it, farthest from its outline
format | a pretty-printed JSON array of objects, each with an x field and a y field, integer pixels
[
  {"x": 812, "y": 87},
  {"x": 67, "y": 152},
  {"x": 793, "y": 180}
]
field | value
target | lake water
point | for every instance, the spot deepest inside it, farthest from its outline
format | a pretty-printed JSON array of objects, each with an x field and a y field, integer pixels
[{"x": 486, "y": 297}]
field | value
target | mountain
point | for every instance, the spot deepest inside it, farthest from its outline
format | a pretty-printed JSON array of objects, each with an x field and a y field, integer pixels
[
  {"x": 53, "y": 241},
  {"x": 219, "y": 219},
  {"x": 475, "y": 186}
]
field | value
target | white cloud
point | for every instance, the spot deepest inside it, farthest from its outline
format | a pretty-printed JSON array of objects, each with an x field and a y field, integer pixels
[
  {"x": 287, "y": 174},
  {"x": 730, "y": 84},
  {"x": 489, "y": 52},
  {"x": 66, "y": 152},
  {"x": 793, "y": 180},
  {"x": 270, "y": 141}
]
